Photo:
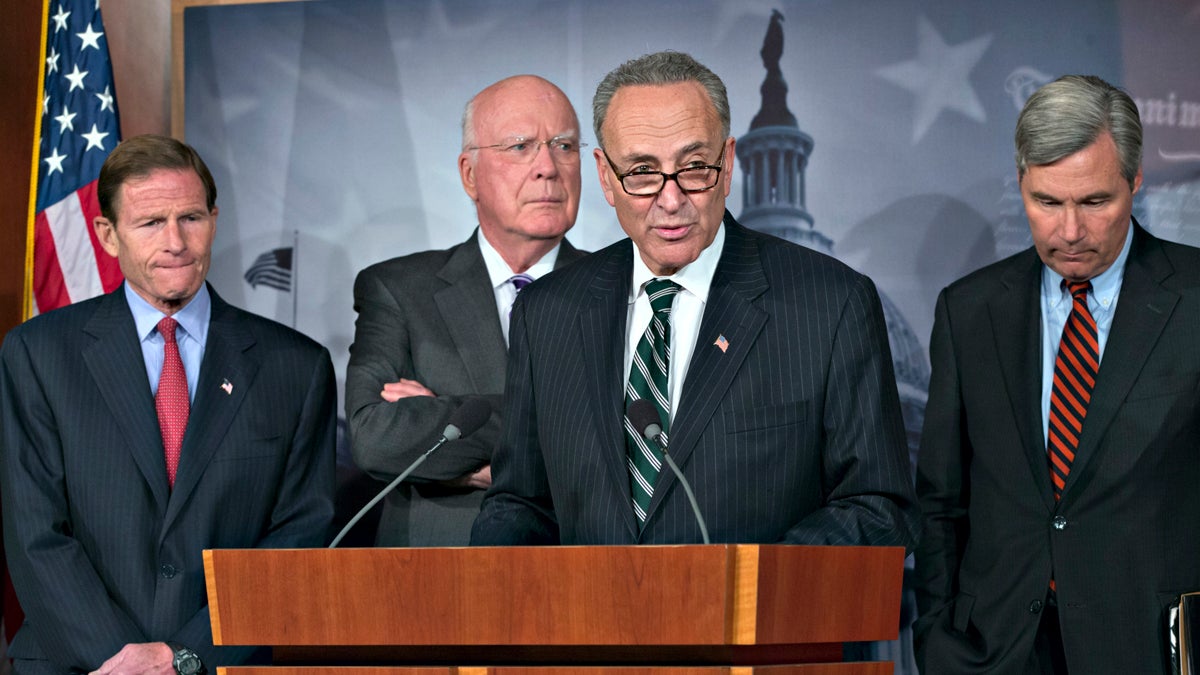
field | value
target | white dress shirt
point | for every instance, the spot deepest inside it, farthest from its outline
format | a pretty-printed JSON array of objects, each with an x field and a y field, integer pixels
[
  {"x": 687, "y": 311},
  {"x": 501, "y": 274}
]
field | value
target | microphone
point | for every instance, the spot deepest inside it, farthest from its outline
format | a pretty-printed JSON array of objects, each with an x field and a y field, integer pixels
[
  {"x": 464, "y": 421},
  {"x": 644, "y": 417}
]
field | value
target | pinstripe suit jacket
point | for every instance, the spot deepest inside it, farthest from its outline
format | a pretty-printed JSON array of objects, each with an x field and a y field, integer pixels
[
  {"x": 1121, "y": 544},
  {"x": 431, "y": 317},
  {"x": 791, "y": 435},
  {"x": 101, "y": 552}
]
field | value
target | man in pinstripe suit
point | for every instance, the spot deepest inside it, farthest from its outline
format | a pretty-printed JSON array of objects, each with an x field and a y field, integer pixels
[
  {"x": 779, "y": 396},
  {"x": 103, "y": 529}
]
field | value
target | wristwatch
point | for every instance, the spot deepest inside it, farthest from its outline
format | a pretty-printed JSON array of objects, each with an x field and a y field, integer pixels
[{"x": 186, "y": 662}]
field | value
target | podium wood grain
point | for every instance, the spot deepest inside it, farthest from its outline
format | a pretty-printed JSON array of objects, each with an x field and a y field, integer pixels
[{"x": 722, "y": 605}]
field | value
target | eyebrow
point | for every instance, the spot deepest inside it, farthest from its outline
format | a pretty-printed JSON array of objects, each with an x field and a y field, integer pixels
[
  {"x": 1103, "y": 194},
  {"x": 564, "y": 134},
  {"x": 648, "y": 158}
]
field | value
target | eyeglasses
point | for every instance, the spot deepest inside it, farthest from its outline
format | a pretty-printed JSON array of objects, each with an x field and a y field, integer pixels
[
  {"x": 644, "y": 183},
  {"x": 519, "y": 149}
]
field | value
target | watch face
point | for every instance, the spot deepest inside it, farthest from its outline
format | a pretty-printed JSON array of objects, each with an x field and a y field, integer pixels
[{"x": 187, "y": 663}]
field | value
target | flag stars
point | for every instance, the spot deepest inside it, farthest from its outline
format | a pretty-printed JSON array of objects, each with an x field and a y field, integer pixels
[
  {"x": 54, "y": 162},
  {"x": 106, "y": 100},
  {"x": 90, "y": 38},
  {"x": 66, "y": 121},
  {"x": 60, "y": 19},
  {"x": 95, "y": 139},
  {"x": 46, "y": 104},
  {"x": 52, "y": 62},
  {"x": 76, "y": 78}
]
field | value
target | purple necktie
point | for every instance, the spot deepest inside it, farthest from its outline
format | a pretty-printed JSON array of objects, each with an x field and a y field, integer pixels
[{"x": 520, "y": 281}]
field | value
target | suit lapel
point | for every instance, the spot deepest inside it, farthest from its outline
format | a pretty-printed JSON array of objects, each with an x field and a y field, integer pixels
[
  {"x": 567, "y": 254},
  {"x": 468, "y": 308},
  {"x": 729, "y": 312},
  {"x": 1142, "y": 312},
  {"x": 116, "y": 365},
  {"x": 1016, "y": 321},
  {"x": 602, "y": 335},
  {"x": 228, "y": 358}
]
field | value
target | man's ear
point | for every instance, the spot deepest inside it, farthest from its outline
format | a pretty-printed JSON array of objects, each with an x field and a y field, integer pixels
[
  {"x": 728, "y": 164},
  {"x": 106, "y": 232},
  {"x": 604, "y": 171},
  {"x": 466, "y": 171}
]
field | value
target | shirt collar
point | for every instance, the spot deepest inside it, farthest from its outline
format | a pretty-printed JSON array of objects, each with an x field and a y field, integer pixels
[
  {"x": 193, "y": 318},
  {"x": 695, "y": 277},
  {"x": 499, "y": 272},
  {"x": 1105, "y": 286}
]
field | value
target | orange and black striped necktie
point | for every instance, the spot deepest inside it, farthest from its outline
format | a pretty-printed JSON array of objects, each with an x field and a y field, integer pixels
[{"x": 1074, "y": 378}]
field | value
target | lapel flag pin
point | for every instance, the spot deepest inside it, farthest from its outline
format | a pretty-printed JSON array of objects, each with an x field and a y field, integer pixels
[
  {"x": 722, "y": 343},
  {"x": 226, "y": 386}
]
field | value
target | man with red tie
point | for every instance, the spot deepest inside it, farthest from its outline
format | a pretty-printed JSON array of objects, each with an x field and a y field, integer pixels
[
  {"x": 143, "y": 426},
  {"x": 1060, "y": 460}
]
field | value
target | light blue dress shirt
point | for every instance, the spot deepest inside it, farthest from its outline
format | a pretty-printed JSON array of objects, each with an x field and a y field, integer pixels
[
  {"x": 1056, "y": 307},
  {"x": 191, "y": 335}
]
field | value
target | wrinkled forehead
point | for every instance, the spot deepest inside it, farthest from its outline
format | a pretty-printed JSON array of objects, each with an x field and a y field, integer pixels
[
  {"x": 661, "y": 119},
  {"x": 161, "y": 191}
]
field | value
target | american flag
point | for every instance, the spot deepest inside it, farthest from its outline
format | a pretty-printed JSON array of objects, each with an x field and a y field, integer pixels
[
  {"x": 79, "y": 128},
  {"x": 273, "y": 269}
]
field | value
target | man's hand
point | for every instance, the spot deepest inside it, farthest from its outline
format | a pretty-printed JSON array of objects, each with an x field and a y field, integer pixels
[
  {"x": 394, "y": 391},
  {"x": 150, "y": 658},
  {"x": 480, "y": 479}
]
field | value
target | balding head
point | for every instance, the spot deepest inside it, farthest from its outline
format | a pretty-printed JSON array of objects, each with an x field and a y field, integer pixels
[{"x": 520, "y": 165}]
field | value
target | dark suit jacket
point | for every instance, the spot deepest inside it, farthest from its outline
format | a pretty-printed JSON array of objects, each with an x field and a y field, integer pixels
[
  {"x": 793, "y": 434},
  {"x": 1122, "y": 541},
  {"x": 102, "y": 553},
  {"x": 431, "y": 317}
]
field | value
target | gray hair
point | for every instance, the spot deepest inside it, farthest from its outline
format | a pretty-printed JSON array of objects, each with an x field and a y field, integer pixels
[
  {"x": 468, "y": 124},
  {"x": 668, "y": 67},
  {"x": 1069, "y": 114}
]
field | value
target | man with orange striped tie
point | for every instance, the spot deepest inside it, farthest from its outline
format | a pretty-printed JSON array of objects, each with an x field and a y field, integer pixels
[{"x": 1059, "y": 471}]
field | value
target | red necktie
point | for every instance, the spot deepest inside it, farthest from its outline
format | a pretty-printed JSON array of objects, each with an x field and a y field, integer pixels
[
  {"x": 171, "y": 400},
  {"x": 1074, "y": 378}
]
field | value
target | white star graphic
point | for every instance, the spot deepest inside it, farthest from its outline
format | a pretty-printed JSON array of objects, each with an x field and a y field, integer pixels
[
  {"x": 60, "y": 19},
  {"x": 46, "y": 104},
  {"x": 52, "y": 62},
  {"x": 76, "y": 77},
  {"x": 106, "y": 100},
  {"x": 54, "y": 162},
  {"x": 939, "y": 77},
  {"x": 95, "y": 138},
  {"x": 90, "y": 38},
  {"x": 66, "y": 121}
]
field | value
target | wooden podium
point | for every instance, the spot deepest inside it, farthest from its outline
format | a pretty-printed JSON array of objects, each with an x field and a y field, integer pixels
[{"x": 593, "y": 610}]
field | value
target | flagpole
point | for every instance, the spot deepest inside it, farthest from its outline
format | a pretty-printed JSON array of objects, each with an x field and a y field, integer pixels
[
  {"x": 27, "y": 296},
  {"x": 295, "y": 275}
]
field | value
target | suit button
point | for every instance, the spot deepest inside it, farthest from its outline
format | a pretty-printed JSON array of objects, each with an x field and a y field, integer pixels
[
  {"x": 1035, "y": 606},
  {"x": 1059, "y": 523},
  {"x": 167, "y": 571}
]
